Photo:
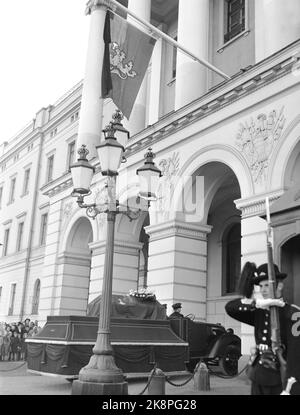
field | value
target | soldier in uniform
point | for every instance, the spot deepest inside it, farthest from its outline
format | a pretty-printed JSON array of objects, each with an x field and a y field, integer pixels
[
  {"x": 264, "y": 370},
  {"x": 176, "y": 313},
  {"x": 292, "y": 315}
]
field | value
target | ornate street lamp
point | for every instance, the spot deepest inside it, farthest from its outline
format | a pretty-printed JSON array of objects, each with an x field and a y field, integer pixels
[
  {"x": 101, "y": 376},
  {"x": 120, "y": 131},
  {"x": 82, "y": 173},
  {"x": 149, "y": 176}
]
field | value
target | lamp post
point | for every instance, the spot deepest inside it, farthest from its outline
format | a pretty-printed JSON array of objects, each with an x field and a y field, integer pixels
[{"x": 101, "y": 376}]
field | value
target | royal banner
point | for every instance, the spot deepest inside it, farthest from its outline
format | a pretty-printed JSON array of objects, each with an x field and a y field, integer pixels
[{"x": 127, "y": 55}]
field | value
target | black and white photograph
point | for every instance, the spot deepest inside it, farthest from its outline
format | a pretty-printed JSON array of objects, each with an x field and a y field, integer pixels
[{"x": 149, "y": 201}]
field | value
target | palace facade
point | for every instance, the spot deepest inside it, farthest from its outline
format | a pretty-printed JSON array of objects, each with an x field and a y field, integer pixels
[{"x": 223, "y": 146}]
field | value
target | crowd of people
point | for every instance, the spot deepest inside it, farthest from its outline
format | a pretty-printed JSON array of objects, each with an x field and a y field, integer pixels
[{"x": 12, "y": 339}]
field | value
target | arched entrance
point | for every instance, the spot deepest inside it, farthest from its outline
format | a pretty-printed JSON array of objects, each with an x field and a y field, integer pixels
[
  {"x": 290, "y": 263},
  {"x": 224, "y": 242},
  {"x": 73, "y": 280}
]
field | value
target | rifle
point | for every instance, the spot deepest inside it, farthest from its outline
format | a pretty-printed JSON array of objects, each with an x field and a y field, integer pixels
[{"x": 277, "y": 346}]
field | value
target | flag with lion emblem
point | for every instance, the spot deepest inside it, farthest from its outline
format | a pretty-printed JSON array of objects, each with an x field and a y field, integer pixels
[{"x": 127, "y": 55}]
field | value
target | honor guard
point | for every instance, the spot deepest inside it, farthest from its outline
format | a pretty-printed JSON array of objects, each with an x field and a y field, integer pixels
[
  {"x": 263, "y": 368},
  {"x": 177, "y": 311}
]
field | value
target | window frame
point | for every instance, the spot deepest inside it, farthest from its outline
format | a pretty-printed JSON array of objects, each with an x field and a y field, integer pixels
[
  {"x": 36, "y": 297},
  {"x": 1, "y": 195},
  {"x": 223, "y": 26},
  {"x": 26, "y": 181},
  {"x": 12, "y": 190},
  {"x": 69, "y": 161},
  {"x": 13, "y": 290},
  {"x": 43, "y": 229},
  {"x": 5, "y": 241},
  {"x": 50, "y": 168},
  {"x": 227, "y": 279},
  {"x": 229, "y": 29},
  {"x": 20, "y": 236}
]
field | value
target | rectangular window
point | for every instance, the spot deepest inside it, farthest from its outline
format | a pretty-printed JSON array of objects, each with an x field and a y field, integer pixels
[
  {"x": 43, "y": 233},
  {"x": 74, "y": 116},
  {"x": 0, "y": 294},
  {"x": 5, "y": 242},
  {"x": 20, "y": 236},
  {"x": 50, "y": 168},
  {"x": 26, "y": 181},
  {"x": 12, "y": 190},
  {"x": 71, "y": 153},
  {"x": 1, "y": 194},
  {"x": 234, "y": 18},
  {"x": 12, "y": 299},
  {"x": 174, "y": 62}
]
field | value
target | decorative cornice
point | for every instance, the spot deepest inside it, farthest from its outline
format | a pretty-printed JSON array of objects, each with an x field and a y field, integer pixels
[
  {"x": 176, "y": 228},
  {"x": 57, "y": 186},
  {"x": 7, "y": 222},
  {"x": 44, "y": 205},
  {"x": 21, "y": 215},
  {"x": 158, "y": 131},
  {"x": 256, "y": 205}
]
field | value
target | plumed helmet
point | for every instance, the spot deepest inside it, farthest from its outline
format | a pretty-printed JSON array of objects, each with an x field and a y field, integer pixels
[
  {"x": 246, "y": 283},
  {"x": 176, "y": 306},
  {"x": 262, "y": 274}
]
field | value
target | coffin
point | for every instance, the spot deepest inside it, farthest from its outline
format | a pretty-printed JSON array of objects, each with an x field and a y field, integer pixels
[{"x": 65, "y": 343}]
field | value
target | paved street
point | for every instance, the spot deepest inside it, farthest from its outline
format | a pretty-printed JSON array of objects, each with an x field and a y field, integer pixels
[{"x": 15, "y": 380}]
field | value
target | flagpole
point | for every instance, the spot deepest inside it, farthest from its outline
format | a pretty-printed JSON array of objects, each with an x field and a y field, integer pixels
[{"x": 169, "y": 39}]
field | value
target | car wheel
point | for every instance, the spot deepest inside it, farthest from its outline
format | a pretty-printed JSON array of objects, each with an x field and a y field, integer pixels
[{"x": 228, "y": 363}]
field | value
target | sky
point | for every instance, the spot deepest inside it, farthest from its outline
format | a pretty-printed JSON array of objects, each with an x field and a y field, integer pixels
[{"x": 43, "y": 46}]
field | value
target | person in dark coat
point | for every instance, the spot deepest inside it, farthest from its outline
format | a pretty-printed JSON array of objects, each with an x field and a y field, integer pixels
[
  {"x": 176, "y": 313},
  {"x": 264, "y": 370}
]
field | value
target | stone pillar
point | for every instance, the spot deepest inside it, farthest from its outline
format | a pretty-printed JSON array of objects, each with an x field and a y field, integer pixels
[
  {"x": 91, "y": 111},
  {"x": 193, "y": 31},
  {"x": 155, "y": 82},
  {"x": 137, "y": 122},
  {"x": 50, "y": 266},
  {"x": 253, "y": 249},
  {"x": 177, "y": 265},
  {"x": 277, "y": 24},
  {"x": 126, "y": 262},
  {"x": 73, "y": 280}
]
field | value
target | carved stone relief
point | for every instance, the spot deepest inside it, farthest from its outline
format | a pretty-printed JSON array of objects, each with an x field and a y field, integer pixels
[
  {"x": 256, "y": 140},
  {"x": 68, "y": 210},
  {"x": 169, "y": 168},
  {"x": 101, "y": 198}
]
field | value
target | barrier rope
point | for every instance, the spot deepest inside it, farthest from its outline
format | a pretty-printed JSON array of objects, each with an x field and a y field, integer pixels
[
  {"x": 15, "y": 368},
  {"x": 152, "y": 373},
  {"x": 178, "y": 385},
  {"x": 186, "y": 381},
  {"x": 225, "y": 376}
]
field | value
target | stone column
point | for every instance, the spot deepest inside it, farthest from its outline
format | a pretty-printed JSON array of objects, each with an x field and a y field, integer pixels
[
  {"x": 155, "y": 82},
  {"x": 91, "y": 111},
  {"x": 137, "y": 122},
  {"x": 177, "y": 265},
  {"x": 126, "y": 260},
  {"x": 50, "y": 268},
  {"x": 277, "y": 24},
  {"x": 73, "y": 280},
  {"x": 193, "y": 31},
  {"x": 253, "y": 249}
]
